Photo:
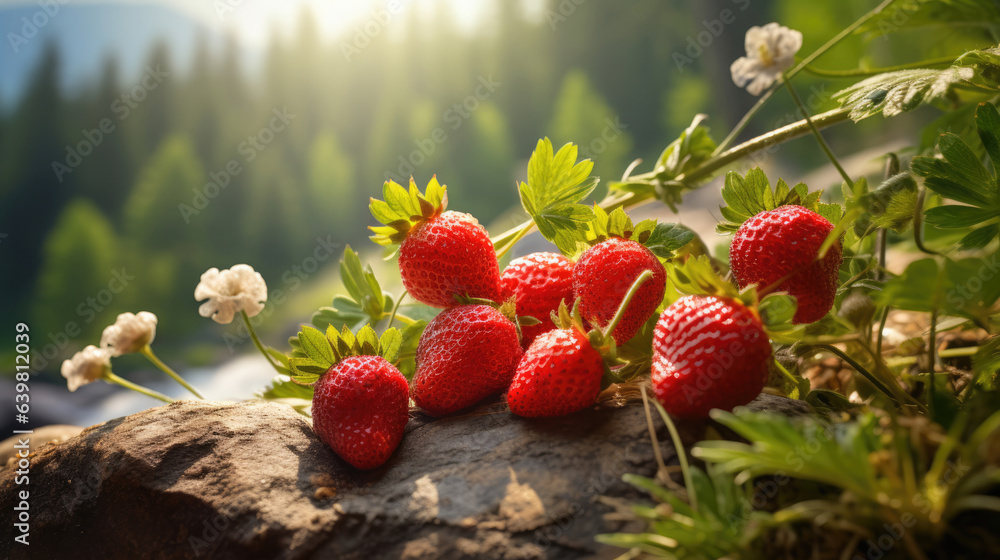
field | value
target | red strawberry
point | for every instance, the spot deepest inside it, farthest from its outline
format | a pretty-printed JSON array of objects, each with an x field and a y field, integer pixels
[
  {"x": 784, "y": 242},
  {"x": 538, "y": 281},
  {"x": 360, "y": 407},
  {"x": 466, "y": 354},
  {"x": 559, "y": 374},
  {"x": 708, "y": 352},
  {"x": 603, "y": 276},
  {"x": 442, "y": 255}
]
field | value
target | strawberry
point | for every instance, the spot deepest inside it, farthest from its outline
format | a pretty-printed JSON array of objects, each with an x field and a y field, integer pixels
[
  {"x": 539, "y": 282},
  {"x": 603, "y": 276},
  {"x": 559, "y": 374},
  {"x": 465, "y": 354},
  {"x": 360, "y": 407},
  {"x": 708, "y": 352},
  {"x": 443, "y": 255},
  {"x": 778, "y": 249}
]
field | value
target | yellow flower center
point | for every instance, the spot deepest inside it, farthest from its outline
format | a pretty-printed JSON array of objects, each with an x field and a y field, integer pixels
[{"x": 765, "y": 55}]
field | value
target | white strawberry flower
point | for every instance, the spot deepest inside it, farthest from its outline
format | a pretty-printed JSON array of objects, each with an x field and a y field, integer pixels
[
  {"x": 770, "y": 51},
  {"x": 230, "y": 291},
  {"x": 131, "y": 333},
  {"x": 86, "y": 366}
]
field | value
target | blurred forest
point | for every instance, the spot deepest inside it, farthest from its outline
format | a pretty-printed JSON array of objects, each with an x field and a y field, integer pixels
[{"x": 204, "y": 171}]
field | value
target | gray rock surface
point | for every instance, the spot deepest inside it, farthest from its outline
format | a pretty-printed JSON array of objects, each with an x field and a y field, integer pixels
[{"x": 250, "y": 480}]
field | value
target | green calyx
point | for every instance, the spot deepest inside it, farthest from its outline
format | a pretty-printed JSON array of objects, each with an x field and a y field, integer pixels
[
  {"x": 749, "y": 195},
  {"x": 506, "y": 308},
  {"x": 697, "y": 276},
  {"x": 402, "y": 210},
  {"x": 662, "y": 239},
  {"x": 313, "y": 353}
]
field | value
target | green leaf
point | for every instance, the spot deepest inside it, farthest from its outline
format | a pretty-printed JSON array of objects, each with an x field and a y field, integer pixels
[
  {"x": 367, "y": 342},
  {"x": 556, "y": 184},
  {"x": 893, "y": 93},
  {"x": 986, "y": 365},
  {"x": 776, "y": 309},
  {"x": 315, "y": 346},
  {"x": 666, "y": 239},
  {"x": 979, "y": 238},
  {"x": 918, "y": 288},
  {"x": 308, "y": 366},
  {"x": 979, "y": 19},
  {"x": 406, "y": 358},
  {"x": 959, "y": 217},
  {"x": 961, "y": 176},
  {"x": 361, "y": 284},
  {"x": 751, "y": 194},
  {"x": 988, "y": 127},
  {"x": 389, "y": 344}
]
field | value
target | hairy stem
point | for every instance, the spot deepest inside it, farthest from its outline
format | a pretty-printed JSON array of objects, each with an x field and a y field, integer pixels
[
  {"x": 256, "y": 341},
  {"x": 112, "y": 378},
  {"x": 148, "y": 352},
  {"x": 864, "y": 73},
  {"x": 815, "y": 131}
]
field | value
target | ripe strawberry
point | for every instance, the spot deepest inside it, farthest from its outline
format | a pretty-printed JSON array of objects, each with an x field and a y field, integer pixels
[
  {"x": 443, "y": 255},
  {"x": 465, "y": 354},
  {"x": 559, "y": 374},
  {"x": 539, "y": 282},
  {"x": 603, "y": 276},
  {"x": 708, "y": 352},
  {"x": 360, "y": 407},
  {"x": 784, "y": 242}
]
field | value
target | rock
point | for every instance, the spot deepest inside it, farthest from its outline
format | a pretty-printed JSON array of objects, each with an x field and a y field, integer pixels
[
  {"x": 54, "y": 433},
  {"x": 250, "y": 480}
]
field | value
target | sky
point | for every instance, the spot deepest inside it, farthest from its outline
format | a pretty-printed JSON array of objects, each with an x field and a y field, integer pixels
[{"x": 253, "y": 20}]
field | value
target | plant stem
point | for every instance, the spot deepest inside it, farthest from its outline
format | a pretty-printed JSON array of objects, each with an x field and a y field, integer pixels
[
  {"x": 508, "y": 245},
  {"x": 819, "y": 137},
  {"x": 746, "y": 119},
  {"x": 960, "y": 352},
  {"x": 681, "y": 455},
  {"x": 798, "y": 68},
  {"x": 931, "y": 349},
  {"x": 783, "y": 134},
  {"x": 395, "y": 308},
  {"x": 112, "y": 378},
  {"x": 896, "y": 395},
  {"x": 256, "y": 341},
  {"x": 148, "y": 352},
  {"x": 646, "y": 275},
  {"x": 657, "y": 452},
  {"x": 918, "y": 221},
  {"x": 707, "y": 167},
  {"x": 788, "y": 375},
  {"x": 862, "y": 73},
  {"x": 881, "y": 327}
]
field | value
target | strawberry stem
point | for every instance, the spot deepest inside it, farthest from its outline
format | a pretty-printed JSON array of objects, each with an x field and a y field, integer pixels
[{"x": 646, "y": 275}]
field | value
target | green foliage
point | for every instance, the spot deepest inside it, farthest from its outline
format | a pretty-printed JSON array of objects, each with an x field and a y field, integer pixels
[
  {"x": 751, "y": 194},
  {"x": 402, "y": 210},
  {"x": 961, "y": 176},
  {"x": 981, "y": 18},
  {"x": 692, "y": 148},
  {"x": 556, "y": 184},
  {"x": 722, "y": 524},
  {"x": 81, "y": 257},
  {"x": 893, "y": 93},
  {"x": 663, "y": 239},
  {"x": 948, "y": 287},
  {"x": 890, "y": 205},
  {"x": 314, "y": 352}
]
